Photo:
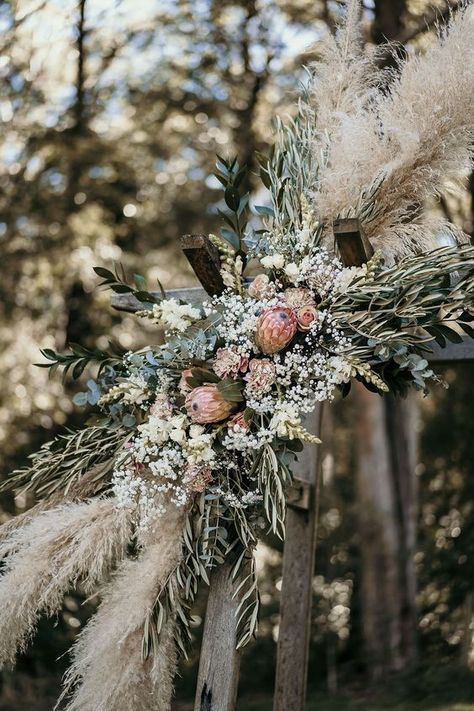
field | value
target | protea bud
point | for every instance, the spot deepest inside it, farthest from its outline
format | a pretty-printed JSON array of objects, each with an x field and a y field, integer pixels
[
  {"x": 205, "y": 404},
  {"x": 276, "y": 326}
]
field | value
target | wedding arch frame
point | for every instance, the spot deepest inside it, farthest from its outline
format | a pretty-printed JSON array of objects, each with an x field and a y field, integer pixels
[{"x": 218, "y": 676}]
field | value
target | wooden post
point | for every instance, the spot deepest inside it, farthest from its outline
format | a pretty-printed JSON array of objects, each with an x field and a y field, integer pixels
[
  {"x": 203, "y": 256},
  {"x": 296, "y": 594},
  {"x": 354, "y": 247},
  {"x": 219, "y": 662},
  {"x": 300, "y": 543}
]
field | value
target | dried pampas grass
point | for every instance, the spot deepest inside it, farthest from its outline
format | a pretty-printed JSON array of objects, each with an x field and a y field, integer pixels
[
  {"x": 49, "y": 554},
  {"x": 400, "y": 145},
  {"x": 342, "y": 78},
  {"x": 108, "y": 671}
]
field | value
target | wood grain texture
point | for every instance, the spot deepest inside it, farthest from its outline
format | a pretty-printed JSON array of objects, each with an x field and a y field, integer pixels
[
  {"x": 219, "y": 663},
  {"x": 204, "y": 258},
  {"x": 296, "y": 594},
  {"x": 127, "y": 302},
  {"x": 354, "y": 247},
  {"x": 453, "y": 353}
]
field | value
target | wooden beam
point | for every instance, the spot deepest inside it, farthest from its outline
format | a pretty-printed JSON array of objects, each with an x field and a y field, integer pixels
[
  {"x": 452, "y": 353},
  {"x": 219, "y": 661},
  {"x": 354, "y": 247},
  {"x": 127, "y": 302},
  {"x": 204, "y": 258},
  {"x": 297, "y": 586}
]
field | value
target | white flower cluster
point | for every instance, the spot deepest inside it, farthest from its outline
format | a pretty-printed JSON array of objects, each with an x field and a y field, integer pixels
[
  {"x": 238, "y": 321},
  {"x": 155, "y": 469},
  {"x": 175, "y": 316}
]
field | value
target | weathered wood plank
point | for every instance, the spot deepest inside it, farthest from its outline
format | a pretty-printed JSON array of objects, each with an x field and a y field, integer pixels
[
  {"x": 127, "y": 302},
  {"x": 354, "y": 247},
  {"x": 204, "y": 258},
  {"x": 453, "y": 353},
  {"x": 296, "y": 593},
  {"x": 219, "y": 662}
]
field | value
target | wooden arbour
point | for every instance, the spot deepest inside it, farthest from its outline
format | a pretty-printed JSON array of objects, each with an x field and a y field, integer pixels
[{"x": 218, "y": 676}]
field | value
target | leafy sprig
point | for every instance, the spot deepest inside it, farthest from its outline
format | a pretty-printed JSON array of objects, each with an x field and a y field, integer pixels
[
  {"x": 231, "y": 176},
  {"x": 80, "y": 357},
  {"x": 118, "y": 282}
]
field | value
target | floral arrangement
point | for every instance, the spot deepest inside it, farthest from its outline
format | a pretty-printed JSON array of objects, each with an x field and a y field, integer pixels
[{"x": 190, "y": 454}]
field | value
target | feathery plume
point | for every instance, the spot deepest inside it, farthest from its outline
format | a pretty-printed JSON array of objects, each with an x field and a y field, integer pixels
[
  {"x": 108, "y": 672},
  {"x": 342, "y": 78},
  {"x": 49, "y": 554},
  {"x": 407, "y": 141}
]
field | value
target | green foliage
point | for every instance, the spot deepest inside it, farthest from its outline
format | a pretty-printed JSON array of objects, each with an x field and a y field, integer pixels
[
  {"x": 231, "y": 176},
  {"x": 80, "y": 357},
  {"x": 75, "y": 462},
  {"x": 117, "y": 281}
]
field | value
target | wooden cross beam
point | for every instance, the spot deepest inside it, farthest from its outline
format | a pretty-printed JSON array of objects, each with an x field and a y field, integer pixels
[{"x": 219, "y": 661}]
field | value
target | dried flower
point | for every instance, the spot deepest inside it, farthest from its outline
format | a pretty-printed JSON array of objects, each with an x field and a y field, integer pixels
[
  {"x": 162, "y": 407},
  {"x": 260, "y": 286},
  {"x": 205, "y": 404},
  {"x": 238, "y": 420},
  {"x": 276, "y": 327},
  {"x": 297, "y": 297},
  {"x": 229, "y": 363},
  {"x": 275, "y": 261},
  {"x": 183, "y": 385},
  {"x": 197, "y": 477},
  {"x": 292, "y": 270},
  {"x": 306, "y": 316},
  {"x": 261, "y": 375}
]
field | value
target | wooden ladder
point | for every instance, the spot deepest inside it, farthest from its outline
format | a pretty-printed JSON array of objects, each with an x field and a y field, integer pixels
[{"x": 218, "y": 675}]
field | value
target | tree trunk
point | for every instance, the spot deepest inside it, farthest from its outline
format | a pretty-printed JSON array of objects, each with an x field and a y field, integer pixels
[
  {"x": 379, "y": 538},
  {"x": 386, "y": 490}
]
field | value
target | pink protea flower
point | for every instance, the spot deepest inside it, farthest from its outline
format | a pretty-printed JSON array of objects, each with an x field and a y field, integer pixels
[
  {"x": 297, "y": 298},
  {"x": 229, "y": 363},
  {"x": 261, "y": 375},
  {"x": 183, "y": 385},
  {"x": 306, "y": 316},
  {"x": 197, "y": 477},
  {"x": 276, "y": 327},
  {"x": 205, "y": 404}
]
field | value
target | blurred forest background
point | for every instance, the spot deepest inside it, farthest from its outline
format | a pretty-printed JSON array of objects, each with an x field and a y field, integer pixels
[{"x": 112, "y": 112}]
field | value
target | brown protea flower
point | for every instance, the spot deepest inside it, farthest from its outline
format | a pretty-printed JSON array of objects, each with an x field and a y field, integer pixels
[
  {"x": 205, "y": 404},
  {"x": 276, "y": 327}
]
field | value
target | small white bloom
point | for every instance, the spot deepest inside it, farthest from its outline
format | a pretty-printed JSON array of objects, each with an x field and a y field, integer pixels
[
  {"x": 196, "y": 431},
  {"x": 239, "y": 265},
  {"x": 228, "y": 278},
  {"x": 174, "y": 315},
  {"x": 275, "y": 261},
  {"x": 303, "y": 236},
  {"x": 292, "y": 271}
]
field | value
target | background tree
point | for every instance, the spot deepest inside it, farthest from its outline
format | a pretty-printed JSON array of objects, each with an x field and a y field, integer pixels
[{"x": 112, "y": 113}]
